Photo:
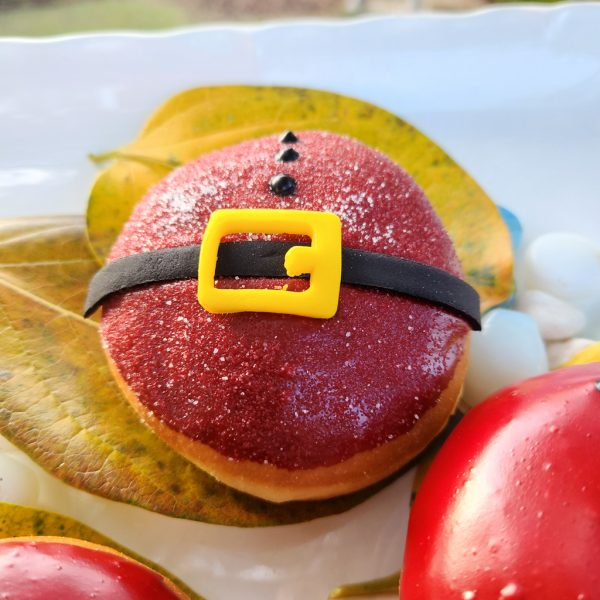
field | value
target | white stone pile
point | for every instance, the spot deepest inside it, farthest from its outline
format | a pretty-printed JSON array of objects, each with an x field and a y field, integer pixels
[{"x": 554, "y": 315}]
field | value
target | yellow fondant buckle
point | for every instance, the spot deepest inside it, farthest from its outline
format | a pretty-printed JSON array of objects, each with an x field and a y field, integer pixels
[{"x": 322, "y": 260}]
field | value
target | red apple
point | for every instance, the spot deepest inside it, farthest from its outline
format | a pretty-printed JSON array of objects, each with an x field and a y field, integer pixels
[
  {"x": 45, "y": 568},
  {"x": 511, "y": 505}
]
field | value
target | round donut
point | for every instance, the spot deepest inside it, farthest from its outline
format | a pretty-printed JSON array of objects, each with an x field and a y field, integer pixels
[
  {"x": 279, "y": 406},
  {"x": 40, "y": 568}
]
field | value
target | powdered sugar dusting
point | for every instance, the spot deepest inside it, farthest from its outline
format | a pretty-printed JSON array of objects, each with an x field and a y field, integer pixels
[
  {"x": 380, "y": 206},
  {"x": 290, "y": 391}
]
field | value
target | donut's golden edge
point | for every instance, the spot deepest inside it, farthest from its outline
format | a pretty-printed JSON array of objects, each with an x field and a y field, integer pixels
[{"x": 275, "y": 484}]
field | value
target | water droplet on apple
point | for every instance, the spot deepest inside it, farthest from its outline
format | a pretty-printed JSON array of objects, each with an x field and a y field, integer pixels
[{"x": 510, "y": 590}]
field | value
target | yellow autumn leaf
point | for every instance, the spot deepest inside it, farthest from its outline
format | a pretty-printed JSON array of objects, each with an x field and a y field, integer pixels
[
  {"x": 379, "y": 586},
  {"x": 21, "y": 521},
  {"x": 60, "y": 404},
  {"x": 61, "y": 272},
  {"x": 587, "y": 355},
  {"x": 204, "y": 119}
]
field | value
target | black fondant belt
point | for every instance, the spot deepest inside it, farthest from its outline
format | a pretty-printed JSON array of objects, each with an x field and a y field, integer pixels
[{"x": 265, "y": 259}]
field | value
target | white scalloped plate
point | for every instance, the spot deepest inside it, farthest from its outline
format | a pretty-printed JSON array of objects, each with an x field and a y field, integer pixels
[{"x": 513, "y": 94}]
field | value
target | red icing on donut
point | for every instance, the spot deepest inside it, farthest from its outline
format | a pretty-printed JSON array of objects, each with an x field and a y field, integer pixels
[
  {"x": 36, "y": 570},
  {"x": 290, "y": 391}
]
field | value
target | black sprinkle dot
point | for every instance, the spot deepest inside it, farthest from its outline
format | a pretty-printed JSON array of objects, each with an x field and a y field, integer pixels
[
  {"x": 288, "y": 137},
  {"x": 282, "y": 184},
  {"x": 287, "y": 155}
]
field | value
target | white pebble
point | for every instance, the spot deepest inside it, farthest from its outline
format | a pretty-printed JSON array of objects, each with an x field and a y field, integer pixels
[
  {"x": 561, "y": 352},
  {"x": 509, "y": 348},
  {"x": 18, "y": 483},
  {"x": 591, "y": 310},
  {"x": 556, "y": 319},
  {"x": 565, "y": 265}
]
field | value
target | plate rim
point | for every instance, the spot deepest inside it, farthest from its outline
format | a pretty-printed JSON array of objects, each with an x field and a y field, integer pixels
[{"x": 531, "y": 8}]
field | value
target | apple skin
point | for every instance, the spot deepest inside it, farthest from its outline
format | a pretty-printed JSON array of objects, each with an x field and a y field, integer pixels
[
  {"x": 510, "y": 508},
  {"x": 55, "y": 568}
]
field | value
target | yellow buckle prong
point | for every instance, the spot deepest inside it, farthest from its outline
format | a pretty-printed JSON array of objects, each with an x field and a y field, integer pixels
[{"x": 322, "y": 260}]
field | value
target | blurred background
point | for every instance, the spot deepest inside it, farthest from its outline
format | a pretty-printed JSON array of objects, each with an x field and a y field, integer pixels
[{"x": 51, "y": 17}]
